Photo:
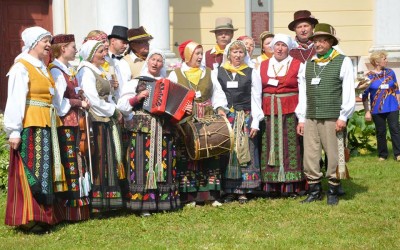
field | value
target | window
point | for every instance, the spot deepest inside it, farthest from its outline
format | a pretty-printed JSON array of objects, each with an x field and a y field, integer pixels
[{"x": 258, "y": 19}]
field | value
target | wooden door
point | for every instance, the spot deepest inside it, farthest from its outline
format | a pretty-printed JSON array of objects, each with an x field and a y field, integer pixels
[{"x": 15, "y": 16}]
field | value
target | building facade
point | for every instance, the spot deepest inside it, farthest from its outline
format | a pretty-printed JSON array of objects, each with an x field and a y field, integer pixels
[{"x": 361, "y": 25}]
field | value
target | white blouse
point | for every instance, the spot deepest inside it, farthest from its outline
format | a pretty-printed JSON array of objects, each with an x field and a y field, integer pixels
[
  {"x": 256, "y": 90},
  {"x": 61, "y": 85},
  {"x": 18, "y": 78},
  {"x": 127, "y": 93},
  {"x": 87, "y": 81}
]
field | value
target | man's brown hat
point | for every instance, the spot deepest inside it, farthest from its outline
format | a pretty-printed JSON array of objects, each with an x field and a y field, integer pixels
[
  {"x": 139, "y": 34},
  {"x": 302, "y": 16}
]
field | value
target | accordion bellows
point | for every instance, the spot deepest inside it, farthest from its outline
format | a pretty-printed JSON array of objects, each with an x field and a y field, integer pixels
[{"x": 169, "y": 98}]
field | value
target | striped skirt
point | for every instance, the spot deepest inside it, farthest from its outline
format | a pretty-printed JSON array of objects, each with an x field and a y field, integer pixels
[
  {"x": 287, "y": 177},
  {"x": 164, "y": 194},
  {"x": 108, "y": 187},
  {"x": 30, "y": 197},
  {"x": 248, "y": 176},
  {"x": 75, "y": 202}
]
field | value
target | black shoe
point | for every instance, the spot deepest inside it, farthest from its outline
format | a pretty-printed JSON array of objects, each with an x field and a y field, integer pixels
[
  {"x": 314, "y": 194},
  {"x": 333, "y": 198},
  {"x": 230, "y": 198}
]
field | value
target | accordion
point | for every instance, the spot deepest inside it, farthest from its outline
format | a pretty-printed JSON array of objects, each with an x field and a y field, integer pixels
[{"x": 167, "y": 98}]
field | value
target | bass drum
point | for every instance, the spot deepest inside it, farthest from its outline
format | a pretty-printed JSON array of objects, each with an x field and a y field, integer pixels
[{"x": 207, "y": 137}]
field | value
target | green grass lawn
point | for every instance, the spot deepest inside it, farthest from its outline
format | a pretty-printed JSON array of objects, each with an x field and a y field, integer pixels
[{"x": 368, "y": 217}]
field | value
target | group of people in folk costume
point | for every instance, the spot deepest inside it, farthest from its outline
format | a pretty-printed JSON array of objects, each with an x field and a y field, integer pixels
[{"x": 82, "y": 143}]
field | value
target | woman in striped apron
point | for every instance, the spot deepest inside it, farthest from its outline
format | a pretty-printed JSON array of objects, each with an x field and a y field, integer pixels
[
  {"x": 281, "y": 163},
  {"x": 200, "y": 181},
  {"x": 242, "y": 170},
  {"x": 75, "y": 202},
  {"x": 151, "y": 150},
  {"x": 109, "y": 185},
  {"x": 30, "y": 121}
]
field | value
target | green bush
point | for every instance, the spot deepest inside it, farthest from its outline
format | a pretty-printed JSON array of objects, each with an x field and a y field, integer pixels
[
  {"x": 4, "y": 156},
  {"x": 361, "y": 134}
]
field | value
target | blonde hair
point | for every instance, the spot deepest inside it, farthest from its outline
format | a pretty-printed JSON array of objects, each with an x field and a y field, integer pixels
[
  {"x": 96, "y": 35},
  {"x": 376, "y": 55},
  {"x": 56, "y": 50}
]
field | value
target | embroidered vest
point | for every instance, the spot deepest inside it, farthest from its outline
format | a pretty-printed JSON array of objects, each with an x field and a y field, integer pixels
[
  {"x": 287, "y": 84},
  {"x": 324, "y": 100},
  {"x": 239, "y": 98},
  {"x": 39, "y": 90},
  {"x": 213, "y": 58},
  {"x": 71, "y": 118}
]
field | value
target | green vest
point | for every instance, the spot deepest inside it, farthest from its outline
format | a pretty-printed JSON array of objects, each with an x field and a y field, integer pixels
[
  {"x": 205, "y": 85},
  {"x": 324, "y": 100}
]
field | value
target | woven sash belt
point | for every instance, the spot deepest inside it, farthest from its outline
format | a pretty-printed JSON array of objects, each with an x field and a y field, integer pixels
[{"x": 271, "y": 159}]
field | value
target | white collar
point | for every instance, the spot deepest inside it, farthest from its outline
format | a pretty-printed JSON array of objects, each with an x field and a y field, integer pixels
[
  {"x": 62, "y": 66},
  {"x": 97, "y": 70},
  {"x": 285, "y": 61},
  {"x": 213, "y": 50},
  {"x": 33, "y": 60}
]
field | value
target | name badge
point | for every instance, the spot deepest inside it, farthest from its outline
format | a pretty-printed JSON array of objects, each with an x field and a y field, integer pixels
[
  {"x": 51, "y": 90},
  {"x": 198, "y": 94},
  {"x": 315, "y": 81},
  {"x": 385, "y": 86},
  {"x": 232, "y": 84},
  {"x": 273, "y": 82},
  {"x": 215, "y": 65},
  {"x": 77, "y": 89}
]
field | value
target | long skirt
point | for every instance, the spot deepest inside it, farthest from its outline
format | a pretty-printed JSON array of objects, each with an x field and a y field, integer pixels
[
  {"x": 30, "y": 197},
  {"x": 164, "y": 194},
  {"x": 198, "y": 180},
  {"x": 108, "y": 190},
  {"x": 243, "y": 178},
  {"x": 75, "y": 202},
  {"x": 288, "y": 177}
]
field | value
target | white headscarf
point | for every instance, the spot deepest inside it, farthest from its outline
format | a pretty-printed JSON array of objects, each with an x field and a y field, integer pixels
[
  {"x": 31, "y": 36},
  {"x": 88, "y": 49},
  {"x": 145, "y": 69},
  {"x": 228, "y": 50},
  {"x": 286, "y": 39}
]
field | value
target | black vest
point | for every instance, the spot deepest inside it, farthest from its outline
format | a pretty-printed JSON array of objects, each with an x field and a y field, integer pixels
[{"x": 239, "y": 98}]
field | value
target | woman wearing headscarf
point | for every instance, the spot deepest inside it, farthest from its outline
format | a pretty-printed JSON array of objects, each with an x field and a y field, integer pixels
[
  {"x": 250, "y": 45},
  {"x": 151, "y": 150},
  {"x": 281, "y": 164},
  {"x": 109, "y": 180},
  {"x": 75, "y": 201},
  {"x": 111, "y": 72},
  {"x": 199, "y": 180},
  {"x": 30, "y": 121},
  {"x": 242, "y": 173}
]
